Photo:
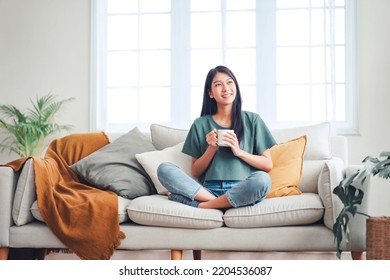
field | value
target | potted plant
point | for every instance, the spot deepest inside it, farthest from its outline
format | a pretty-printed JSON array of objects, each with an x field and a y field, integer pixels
[
  {"x": 27, "y": 133},
  {"x": 351, "y": 196}
]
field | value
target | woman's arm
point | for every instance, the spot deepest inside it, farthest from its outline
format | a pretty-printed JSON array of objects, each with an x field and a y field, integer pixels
[
  {"x": 199, "y": 165},
  {"x": 261, "y": 162}
]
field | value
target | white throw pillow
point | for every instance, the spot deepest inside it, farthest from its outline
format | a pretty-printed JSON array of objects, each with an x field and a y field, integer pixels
[
  {"x": 25, "y": 195},
  {"x": 151, "y": 160}
]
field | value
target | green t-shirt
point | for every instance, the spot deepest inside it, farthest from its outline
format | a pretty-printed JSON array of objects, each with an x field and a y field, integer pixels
[{"x": 225, "y": 165}]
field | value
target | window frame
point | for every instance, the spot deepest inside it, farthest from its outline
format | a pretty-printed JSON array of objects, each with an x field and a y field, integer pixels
[{"x": 265, "y": 64}]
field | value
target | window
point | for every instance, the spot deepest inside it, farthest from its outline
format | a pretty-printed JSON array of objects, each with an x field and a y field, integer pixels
[{"x": 294, "y": 60}]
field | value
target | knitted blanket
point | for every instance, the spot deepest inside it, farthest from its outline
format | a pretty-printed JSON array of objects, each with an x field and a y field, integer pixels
[{"x": 84, "y": 218}]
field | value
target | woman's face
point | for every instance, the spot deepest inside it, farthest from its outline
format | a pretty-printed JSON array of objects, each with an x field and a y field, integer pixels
[{"x": 223, "y": 89}]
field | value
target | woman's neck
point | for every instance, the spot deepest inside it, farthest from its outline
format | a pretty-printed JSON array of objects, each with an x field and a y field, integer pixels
[{"x": 223, "y": 116}]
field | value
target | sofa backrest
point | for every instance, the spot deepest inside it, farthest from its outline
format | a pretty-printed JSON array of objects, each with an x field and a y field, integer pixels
[{"x": 320, "y": 148}]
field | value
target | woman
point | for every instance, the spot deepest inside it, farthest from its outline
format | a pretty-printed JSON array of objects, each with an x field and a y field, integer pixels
[{"x": 231, "y": 176}]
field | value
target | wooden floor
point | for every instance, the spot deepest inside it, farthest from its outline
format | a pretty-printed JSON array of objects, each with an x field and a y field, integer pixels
[{"x": 211, "y": 255}]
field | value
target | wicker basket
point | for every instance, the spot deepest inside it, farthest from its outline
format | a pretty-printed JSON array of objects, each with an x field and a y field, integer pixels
[{"x": 378, "y": 238}]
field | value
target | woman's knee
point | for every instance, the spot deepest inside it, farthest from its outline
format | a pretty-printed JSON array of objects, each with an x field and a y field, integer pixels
[
  {"x": 165, "y": 168},
  {"x": 260, "y": 181}
]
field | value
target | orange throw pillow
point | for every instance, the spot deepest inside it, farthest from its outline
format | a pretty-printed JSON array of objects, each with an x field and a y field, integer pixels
[{"x": 286, "y": 174}]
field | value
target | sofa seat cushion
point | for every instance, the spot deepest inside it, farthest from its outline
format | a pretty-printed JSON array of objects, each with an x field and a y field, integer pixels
[
  {"x": 123, "y": 203},
  {"x": 301, "y": 209},
  {"x": 157, "y": 210}
]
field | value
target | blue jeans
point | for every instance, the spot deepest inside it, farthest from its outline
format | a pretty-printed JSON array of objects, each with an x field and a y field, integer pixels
[{"x": 239, "y": 193}]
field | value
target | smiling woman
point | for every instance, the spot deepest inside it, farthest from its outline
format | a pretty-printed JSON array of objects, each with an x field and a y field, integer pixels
[{"x": 295, "y": 60}]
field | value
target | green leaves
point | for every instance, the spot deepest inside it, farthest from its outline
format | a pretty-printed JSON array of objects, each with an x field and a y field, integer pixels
[
  {"x": 351, "y": 197},
  {"x": 382, "y": 168},
  {"x": 27, "y": 132}
]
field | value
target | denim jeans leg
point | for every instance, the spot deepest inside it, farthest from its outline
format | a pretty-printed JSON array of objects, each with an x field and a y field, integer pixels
[
  {"x": 251, "y": 190},
  {"x": 175, "y": 180}
]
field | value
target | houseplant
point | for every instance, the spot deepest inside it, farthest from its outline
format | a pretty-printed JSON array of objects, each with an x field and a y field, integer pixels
[
  {"x": 351, "y": 196},
  {"x": 27, "y": 132}
]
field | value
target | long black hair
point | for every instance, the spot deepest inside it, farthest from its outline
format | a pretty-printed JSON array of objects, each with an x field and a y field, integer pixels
[{"x": 209, "y": 106}]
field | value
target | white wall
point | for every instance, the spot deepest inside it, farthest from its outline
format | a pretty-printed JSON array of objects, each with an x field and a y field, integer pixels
[
  {"x": 373, "y": 62},
  {"x": 44, "y": 46}
]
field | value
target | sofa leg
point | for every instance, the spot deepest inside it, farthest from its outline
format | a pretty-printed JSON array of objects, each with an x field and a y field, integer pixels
[
  {"x": 197, "y": 254},
  {"x": 4, "y": 253},
  {"x": 357, "y": 255},
  {"x": 176, "y": 254}
]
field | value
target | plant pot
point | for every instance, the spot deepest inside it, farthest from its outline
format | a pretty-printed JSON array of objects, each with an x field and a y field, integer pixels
[{"x": 378, "y": 238}]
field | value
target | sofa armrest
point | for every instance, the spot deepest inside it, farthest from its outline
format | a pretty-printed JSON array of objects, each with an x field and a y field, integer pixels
[
  {"x": 331, "y": 175},
  {"x": 8, "y": 180}
]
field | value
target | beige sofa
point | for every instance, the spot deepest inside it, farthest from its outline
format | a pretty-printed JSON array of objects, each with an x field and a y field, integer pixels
[{"x": 291, "y": 223}]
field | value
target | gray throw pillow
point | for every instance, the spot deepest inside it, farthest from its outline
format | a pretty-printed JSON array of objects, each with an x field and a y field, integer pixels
[{"x": 115, "y": 168}]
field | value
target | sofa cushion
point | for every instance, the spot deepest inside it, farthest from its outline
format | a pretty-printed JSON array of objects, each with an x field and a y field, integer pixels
[
  {"x": 164, "y": 136},
  {"x": 151, "y": 160},
  {"x": 157, "y": 210},
  {"x": 318, "y": 139},
  {"x": 123, "y": 203},
  {"x": 330, "y": 176},
  {"x": 25, "y": 195},
  {"x": 115, "y": 168},
  {"x": 287, "y": 171},
  {"x": 301, "y": 209}
]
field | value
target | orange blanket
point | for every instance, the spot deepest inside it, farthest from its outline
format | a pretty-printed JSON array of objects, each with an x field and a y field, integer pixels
[{"x": 84, "y": 218}]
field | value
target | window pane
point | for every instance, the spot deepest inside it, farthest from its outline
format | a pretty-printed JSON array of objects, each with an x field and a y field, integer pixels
[
  {"x": 122, "y": 69},
  {"x": 340, "y": 26},
  {"x": 240, "y": 5},
  {"x": 340, "y": 103},
  {"x": 148, "y": 6},
  {"x": 236, "y": 22},
  {"x": 292, "y": 65},
  {"x": 243, "y": 64},
  {"x": 292, "y": 3},
  {"x": 317, "y": 27},
  {"x": 293, "y": 103},
  {"x": 248, "y": 95},
  {"x": 340, "y": 64},
  {"x": 317, "y": 3},
  {"x": 339, "y": 3},
  {"x": 155, "y": 105},
  {"x": 202, "y": 62},
  {"x": 155, "y": 68},
  {"x": 155, "y": 31},
  {"x": 205, "y": 5},
  {"x": 318, "y": 104},
  {"x": 292, "y": 27},
  {"x": 318, "y": 65},
  {"x": 206, "y": 30},
  {"x": 122, "y": 6},
  {"x": 196, "y": 101},
  {"x": 122, "y": 32},
  {"x": 122, "y": 105}
]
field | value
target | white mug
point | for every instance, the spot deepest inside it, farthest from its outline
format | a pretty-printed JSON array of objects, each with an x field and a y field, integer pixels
[{"x": 221, "y": 133}]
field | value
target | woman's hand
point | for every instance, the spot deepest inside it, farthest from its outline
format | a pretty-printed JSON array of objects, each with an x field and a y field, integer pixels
[
  {"x": 212, "y": 138},
  {"x": 261, "y": 162},
  {"x": 231, "y": 141}
]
